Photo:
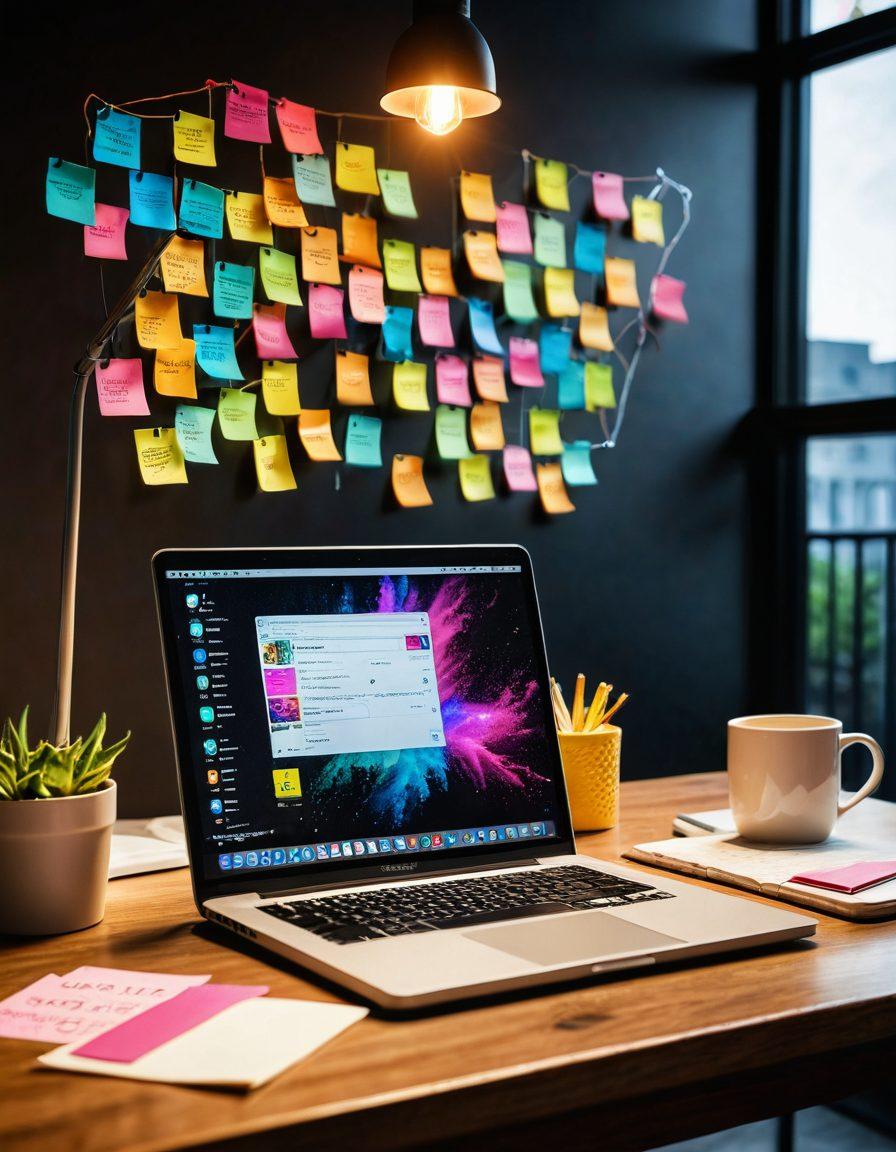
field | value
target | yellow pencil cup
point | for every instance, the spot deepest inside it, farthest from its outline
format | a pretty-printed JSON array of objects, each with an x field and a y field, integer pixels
[{"x": 591, "y": 767}]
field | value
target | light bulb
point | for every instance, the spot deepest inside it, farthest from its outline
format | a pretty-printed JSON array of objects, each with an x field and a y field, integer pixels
[{"x": 438, "y": 109}]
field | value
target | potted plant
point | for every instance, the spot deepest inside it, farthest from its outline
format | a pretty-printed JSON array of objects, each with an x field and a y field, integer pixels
[{"x": 57, "y": 808}]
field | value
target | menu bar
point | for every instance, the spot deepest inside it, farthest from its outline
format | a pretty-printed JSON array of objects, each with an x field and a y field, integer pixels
[{"x": 261, "y": 573}]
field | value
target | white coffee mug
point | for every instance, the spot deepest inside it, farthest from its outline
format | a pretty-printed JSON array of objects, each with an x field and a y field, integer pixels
[{"x": 784, "y": 776}]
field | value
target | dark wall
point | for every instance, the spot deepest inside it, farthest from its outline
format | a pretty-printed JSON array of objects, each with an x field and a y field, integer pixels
[{"x": 644, "y": 585}]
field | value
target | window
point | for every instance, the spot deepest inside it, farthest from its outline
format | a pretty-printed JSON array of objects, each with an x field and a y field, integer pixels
[{"x": 829, "y": 13}]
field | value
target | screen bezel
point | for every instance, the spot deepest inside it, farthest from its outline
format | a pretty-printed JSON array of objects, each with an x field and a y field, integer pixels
[{"x": 331, "y": 874}]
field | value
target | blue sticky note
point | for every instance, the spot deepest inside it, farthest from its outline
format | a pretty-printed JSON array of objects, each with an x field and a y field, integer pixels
[
  {"x": 314, "y": 184},
  {"x": 362, "y": 441},
  {"x": 571, "y": 386},
  {"x": 576, "y": 464},
  {"x": 590, "y": 248},
  {"x": 554, "y": 343},
  {"x": 193, "y": 427},
  {"x": 216, "y": 352},
  {"x": 233, "y": 290},
  {"x": 202, "y": 209},
  {"x": 71, "y": 191},
  {"x": 152, "y": 201},
  {"x": 116, "y": 138},
  {"x": 397, "y": 342},
  {"x": 482, "y": 326}
]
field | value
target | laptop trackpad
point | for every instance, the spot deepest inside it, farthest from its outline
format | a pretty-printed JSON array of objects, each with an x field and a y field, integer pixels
[{"x": 566, "y": 939}]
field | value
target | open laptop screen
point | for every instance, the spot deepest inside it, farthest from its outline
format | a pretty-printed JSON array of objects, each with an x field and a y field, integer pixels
[{"x": 362, "y": 714}]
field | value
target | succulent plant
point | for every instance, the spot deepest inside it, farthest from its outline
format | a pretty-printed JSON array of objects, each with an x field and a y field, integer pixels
[{"x": 50, "y": 770}]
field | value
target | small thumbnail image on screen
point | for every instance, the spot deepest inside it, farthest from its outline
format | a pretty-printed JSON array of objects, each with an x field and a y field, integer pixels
[
  {"x": 276, "y": 652},
  {"x": 284, "y": 710}
]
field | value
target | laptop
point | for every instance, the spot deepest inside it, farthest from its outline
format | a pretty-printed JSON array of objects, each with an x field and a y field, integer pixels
[{"x": 372, "y": 786}]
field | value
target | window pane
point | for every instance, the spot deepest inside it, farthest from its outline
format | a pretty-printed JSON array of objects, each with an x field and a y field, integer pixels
[
  {"x": 826, "y": 13},
  {"x": 852, "y": 231},
  {"x": 851, "y": 483}
]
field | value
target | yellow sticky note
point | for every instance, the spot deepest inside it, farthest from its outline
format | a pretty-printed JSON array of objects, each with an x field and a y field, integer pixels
[
  {"x": 278, "y": 275},
  {"x": 316, "y": 434},
  {"x": 599, "y": 391},
  {"x": 544, "y": 432},
  {"x": 400, "y": 266},
  {"x": 194, "y": 139},
  {"x": 174, "y": 373},
  {"x": 247, "y": 219},
  {"x": 554, "y": 497},
  {"x": 435, "y": 268},
  {"x": 281, "y": 203},
  {"x": 488, "y": 376},
  {"x": 320, "y": 256},
  {"x": 280, "y": 388},
  {"x": 560, "y": 292},
  {"x": 486, "y": 429},
  {"x": 356, "y": 169},
  {"x": 481, "y": 250},
  {"x": 477, "y": 198},
  {"x": 157, "y": 320},
  {"x": 359, "y": 240},
  {"x": 647, "y": 221},
  {"x": 409, "y": 386},
  {"x": 272, "y": 466},
  {"x": 287, "y": 784},
  {"x": 159, "y": 456},
  {"x": 622, "y": 283},
  {"x": 353, "y": 379},
  {"x": 552, "y": 184},
  {"x": 476, "y": 478},
  {"x": 594, "y": 328},
  {"x": 183, "y": 267},
  {"x": 408, "y": 483},
  {"x": 236, "y": 414}
]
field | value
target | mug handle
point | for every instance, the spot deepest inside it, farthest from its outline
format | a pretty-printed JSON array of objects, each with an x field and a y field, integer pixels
[{"x": 877, "y": 767}]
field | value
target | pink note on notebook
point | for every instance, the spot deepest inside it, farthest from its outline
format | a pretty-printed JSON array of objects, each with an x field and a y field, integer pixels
[
  {"x": 163, "y": 1022},
  {"x": 851, "y": 878}
]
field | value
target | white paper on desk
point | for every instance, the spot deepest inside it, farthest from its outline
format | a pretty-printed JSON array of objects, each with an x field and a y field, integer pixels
[{"x": 242, "y": 1047}]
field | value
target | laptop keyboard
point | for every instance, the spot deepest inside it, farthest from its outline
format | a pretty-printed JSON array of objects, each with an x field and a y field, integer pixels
[{"x": 398, "y": 911}]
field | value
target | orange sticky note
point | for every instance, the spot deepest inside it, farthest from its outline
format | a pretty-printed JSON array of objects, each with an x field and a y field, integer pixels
[
  {"x": 554, "y": 497},
  {"x": 353, "y": 379},
  {"x": 481, "y": 249},
  {"x": 435, "y": 268},
  {"x": 157, "y": 320},
  {"x": 560, "y": 292},
  {"x": 356, "y": 168},
  {"x": 622, "y": 283},
  {"x": 174, "y": 373},
  {"x": 408, "y": 483},
  {"x": 281, "y": 203},
  {"x": 594, "y": 328},
  {"x": 488, "y": 376},
  {"x": 359, "y": 240},
  {"x": 246, "y": 217},
  {"x": 476, "y": 197},
  {"x": 183, "y": 267},
  {"x": 280, "y": 388},
  {"x": 272, "y": 465},
  {"x": 486, "y": 429},
  {"x": 316, "y": 434},
  {"x": 320, "y": 257}
]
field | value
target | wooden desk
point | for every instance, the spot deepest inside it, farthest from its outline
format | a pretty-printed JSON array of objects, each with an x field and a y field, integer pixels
[{"x": 625, "y": 1064}]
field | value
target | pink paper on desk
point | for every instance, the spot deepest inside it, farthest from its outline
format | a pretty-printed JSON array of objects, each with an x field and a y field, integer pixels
[
  {"x": 852, "y": 878},
  {"x": 434, "y": 321},
  {"x": 518, "y": 469},
  {"x": 298, "y": 127},
  {"x": 119, "y": 388},
  {"x": 666, "y": 299},
  {"x": 452, "y": 381},
  {"x": 606, "y": 187},
  {"x": 514, "y": 236},
  {"x": 246, "y": 114},
  {"x": 365, "y": 295},
  {"x": 163, "y": 1022},
  {"x": 525, "y": 367},
  {"x": 105, "y": 237},
  {"x": 272, "y": 341},
  {"x": 325, "y": 314}
]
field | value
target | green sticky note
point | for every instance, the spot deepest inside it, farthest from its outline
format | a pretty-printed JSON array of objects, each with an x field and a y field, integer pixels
[
  {"x": 314, "y": 183},
  {"x": 400, "y": 266},
  {"x": 362, "y": 441},
  {"x": 236, "y": 414},
  {"x": 395, "y": 189},
  {"x": 193, "y": 425},
  {"x": 232, "y": 291},
  {"x": 278, "y": 275},
  {"x": 544, "y": 432},
  {"x": 599, "y": 386},
  {"x": 576, "y": 464},
  {"x": 550, "y": 241},
  {"x": 451, "y": 433},
  {"x": 71, "y": 191},
  {"x": 519, "y": 303}
]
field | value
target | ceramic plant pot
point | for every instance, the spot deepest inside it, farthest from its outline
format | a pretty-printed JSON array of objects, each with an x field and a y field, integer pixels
[{"x": 54, "y": 862}]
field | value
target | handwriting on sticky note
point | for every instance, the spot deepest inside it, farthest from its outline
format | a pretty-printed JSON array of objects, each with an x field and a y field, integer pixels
[
  {"x": 356, "y": 168},
  {"x": 70, "y": 191},
  {"x": 281, "y": 203},
  {"x": 216, "y": 352},
  {"x": 594, "y": 327},
  {"x": 552, "y": 184},
  {"x": 514, "y": 236},
  {"x": 272, "y": 340},
  {"x": 518, "y": 469},
  {"x": 247, "y": 218},
  {"x": 451, "y": 432},
  {"x": 159, "y": 456},
  {"x": 408, "y": 483},
  {"x": 434, "y": 322},
  {"x": 560, "y": 292},
  {"x": 486, "y": 429},
  {"x": 201, "y": 209},
  {"x": 326, "y": 315},
  {"x": 488, "y": 376},
  {"x": 362, "y": 441},
  {"x": 525, "y": 367},
  {"x": 280, "y": 388},
  {"x": 481, "y": 251},
  {"x": 152, "y": 200},
  {"x": 666, "y": 298},
  {"x": 194, "y": 139},
  {"x": 397, "y": 341},
  {"x": 359, "y": 240},
  {"x": 452, "y": 381},
  {"x": 476, "y": 197},
  {"x": 298, "y": 127},
  {"x": 622, "y": 283},
  {"x": 436, "y": 272},
  {"x": 519, "y": 303},
  {"x": 353, "y": 379},
  {"x": 550, "y": 241},
  {"x": 400, "y": 266},
  {"x": 395, "y": 188},
  {"x": 409, "y": 386},
  {"x": 544, "y": 432},
  {"x": 554, "y": 497},
  {"x": 193, "y": 425},
  {"x": 609, "y": 202},
  {"x": 314, "y": 183},
  {"x": 320, "y": 258},
  {"x": 174, "y": 373},
  {"x": 119, "y": 387},
  {"x": 246, "y": 113},
  {"x": 316, "y": 434},
  {"x": 279, "y": 276},
  {"x": 157, "y": 320},
  {"x": 365, "y": 295},
  {"x": 647, "y": 221},
  {"x": 105, "y": 238},
  {"x": 236, "y": 414},
  {"x": 183, "y": 267},
  {"x": 116, "y": 138},
  {"x": 233, "y": 290},
  {"x": 272, "y": 466}
]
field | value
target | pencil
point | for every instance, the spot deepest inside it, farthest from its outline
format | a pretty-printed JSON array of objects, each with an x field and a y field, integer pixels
[
  {"x": 596, "y": 707},
  {"x": 622, "y": 699},
  {"x": 578, "y": 703},
  {"x": 561, "y": 713}
]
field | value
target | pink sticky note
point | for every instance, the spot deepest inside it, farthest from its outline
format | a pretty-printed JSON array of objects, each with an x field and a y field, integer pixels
[
  {"x": 105, "y": 237},
  {"x": 272, "y": 341},
  {"x": 525, "y": 367},
  {"x": 298, "y": 127},
  {"x": 518, "y": 469},
  {"x": 434, "y": 322},
  {"x": 119, "y": 388},
  {"x": 851, "y": 878},
  {"x": 514, "y": 236},
  {"x": 163, "y": 1022},
  {"x": 666, "y": 299},
  {"x": 279, "y": 681},
  {"x": 452, "y": 381},
  {"x": 609, "y": 202},
  {"x": 246, "y": 114},
  {"x": 325, "y": 313},
  {"x": 365, "y": 295}
]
